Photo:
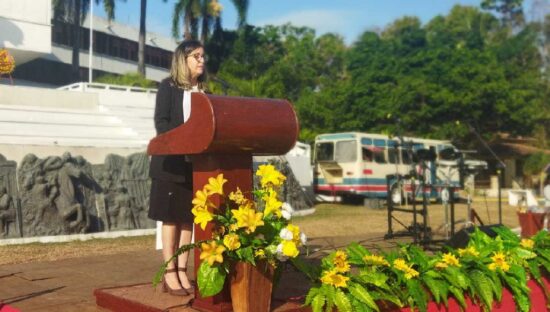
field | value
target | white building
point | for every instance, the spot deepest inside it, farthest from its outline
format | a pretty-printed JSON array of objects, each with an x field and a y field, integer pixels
[{"x": 42, "y": 47}]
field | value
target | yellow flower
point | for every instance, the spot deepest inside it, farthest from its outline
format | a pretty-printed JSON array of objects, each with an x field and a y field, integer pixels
[
  {"x": 401, "y": 265},
  {"x": 468, "y": 251},
  {"x": 290, "y": 249},
  {"x": 499, "y": 261},
  {"x": 340, "y": 262},
  {"x": 375, "y": 260},
  {"x": 411, "y": 273},
  {"x": 201, "y": 199},
  {"x": 272, "y": 204},
  {"x": 211, "y": 252},
  {"x": 334, "y": 279},
  {"x": 233, "y": 227},
  {"x": 7, "y": 63},
  {"x": 441, "y": 265},
  {"x": 242, "y": 210},
  {"x": 450, "y": 259},
  {"x": 249, "y": 219},
  {"x": 295, "y": 230},
  {"x": 270, "y": 176},
  {"x": 215, "y": 185},
  {"x": 260, "y": 253},
  {"x": 238, "y": 197},
  {"x": 527, "y": 243},
  {"x": 202, "y": 216},
  {"x": 231, "y": 241}
]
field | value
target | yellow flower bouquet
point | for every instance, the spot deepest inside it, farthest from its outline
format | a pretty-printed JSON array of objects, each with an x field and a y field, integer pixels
[{"x": 243, "y": 230}]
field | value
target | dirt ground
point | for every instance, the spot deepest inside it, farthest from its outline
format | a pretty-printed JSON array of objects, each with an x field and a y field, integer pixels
[{"x": 329, "y": 220}]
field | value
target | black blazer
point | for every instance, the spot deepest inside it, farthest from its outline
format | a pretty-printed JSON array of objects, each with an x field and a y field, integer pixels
[{"x": 169, "y": 115}]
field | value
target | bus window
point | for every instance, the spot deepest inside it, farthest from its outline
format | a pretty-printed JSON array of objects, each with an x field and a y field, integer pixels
[
  {"x": 379, "y": 156},
  {"x": 368, "y": 155},
  {"x": 406, "y": 157},
  {"x": 324, "y": 151},
  {"x": 393, "y": 155},
  {"x": 346, "y": 151}
]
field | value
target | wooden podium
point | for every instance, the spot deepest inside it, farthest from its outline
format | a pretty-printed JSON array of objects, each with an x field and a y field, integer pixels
[{"x": 222, "y": 134}]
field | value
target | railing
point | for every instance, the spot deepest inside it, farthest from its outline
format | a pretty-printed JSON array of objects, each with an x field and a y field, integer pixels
[{"x": 86, "y": 86}]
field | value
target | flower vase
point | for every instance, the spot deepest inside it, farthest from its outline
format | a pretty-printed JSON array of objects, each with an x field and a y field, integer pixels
[{"x": 251, "y": 286}]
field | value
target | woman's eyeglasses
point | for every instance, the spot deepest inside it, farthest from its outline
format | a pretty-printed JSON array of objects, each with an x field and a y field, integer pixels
[{"x": 198, "y": 56}]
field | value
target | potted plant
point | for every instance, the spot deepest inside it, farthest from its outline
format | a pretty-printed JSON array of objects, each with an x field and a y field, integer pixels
[{"x": 249, "y": 240}]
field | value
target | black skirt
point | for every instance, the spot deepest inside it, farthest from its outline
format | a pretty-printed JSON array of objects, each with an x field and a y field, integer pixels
[{"x": 171, "y": 201}]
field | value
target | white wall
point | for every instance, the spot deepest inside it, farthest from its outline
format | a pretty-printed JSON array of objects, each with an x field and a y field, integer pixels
[
  {"x": 29, "y": 96},
  {"x": 25, "y": 28}
]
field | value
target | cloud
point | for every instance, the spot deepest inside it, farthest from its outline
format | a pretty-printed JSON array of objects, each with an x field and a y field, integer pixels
[{"x": 323, "y": 21}]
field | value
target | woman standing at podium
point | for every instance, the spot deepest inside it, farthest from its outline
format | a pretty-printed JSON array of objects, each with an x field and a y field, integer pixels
[{"x": 172, "y": 175}]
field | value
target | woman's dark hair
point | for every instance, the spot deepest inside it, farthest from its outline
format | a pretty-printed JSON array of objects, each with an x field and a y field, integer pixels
[{"x": 179, "y": 71}]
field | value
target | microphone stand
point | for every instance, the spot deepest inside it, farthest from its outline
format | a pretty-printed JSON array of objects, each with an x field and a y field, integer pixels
[{"x": 500, "y": 167}]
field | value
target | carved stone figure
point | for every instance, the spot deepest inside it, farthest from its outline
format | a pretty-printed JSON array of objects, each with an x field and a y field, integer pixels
[
  {"x": 132, "y": 174},
  {"x": 7, "y": 212},
  {"x": 124, "y": 205}
]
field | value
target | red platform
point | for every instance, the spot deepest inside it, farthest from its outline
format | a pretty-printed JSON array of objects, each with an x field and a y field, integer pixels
[
  {"x": 7, "y": 308},
  {"x": 145, "y": 298}
]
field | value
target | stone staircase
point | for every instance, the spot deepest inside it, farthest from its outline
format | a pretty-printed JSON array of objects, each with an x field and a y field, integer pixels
[{"x": 91, "y": 120}]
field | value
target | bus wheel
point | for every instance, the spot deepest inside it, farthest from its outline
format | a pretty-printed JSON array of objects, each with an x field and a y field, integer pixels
[{"x": 396, "y": 195}]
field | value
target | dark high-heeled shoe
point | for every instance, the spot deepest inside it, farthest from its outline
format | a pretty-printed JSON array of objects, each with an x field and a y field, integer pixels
[
  {"x": 171, "y": 291},
  {"x": 192, "y": 283}
]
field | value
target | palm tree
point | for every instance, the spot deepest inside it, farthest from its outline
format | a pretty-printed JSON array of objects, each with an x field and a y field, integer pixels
[
  {"x": 74, "y": 12},
  {"x": 141, "y": 41},
  {"x": 208, "y": 12}
]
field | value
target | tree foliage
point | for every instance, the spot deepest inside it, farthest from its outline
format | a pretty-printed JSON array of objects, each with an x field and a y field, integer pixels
[{"x": 432, "y": 80}]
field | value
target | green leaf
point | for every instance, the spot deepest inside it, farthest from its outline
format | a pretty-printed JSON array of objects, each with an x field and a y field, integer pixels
[
  {"x": 483, "y": 287},
  {"x": 313, "y": 272},
  {"x": 329, "y": 292},
  {"x": 459, "y": 296},
  {"x": 210, "y": 279},
  {"x": 356, "y": 253},
  {"x": 318, "y": 302},
  {"x": 342, "y": 302},
  {"x": 359, "y": 306},
  {"x": 435, "y": 287},
  {"x": 455, "y": 277},
  {"x": 376, "y": 295},
  {"x": 246, "y": 254},
  {"x": 313, "y": 291},
  {"x": 363, "y": 295},
  {"x": 417, "y": 294},
  {"x": 374, "y": 278}
]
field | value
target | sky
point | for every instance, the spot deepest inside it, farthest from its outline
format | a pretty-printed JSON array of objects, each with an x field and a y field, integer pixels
[{"x": 348, "y": 18}]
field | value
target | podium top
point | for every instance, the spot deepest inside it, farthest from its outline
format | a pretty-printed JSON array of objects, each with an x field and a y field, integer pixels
[{"x": 231, "y": 125}]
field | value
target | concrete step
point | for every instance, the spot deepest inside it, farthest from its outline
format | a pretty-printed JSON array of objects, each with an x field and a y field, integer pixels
[
  {"x": 73, "y": 141},
  {"x": 34, "y": 114}
]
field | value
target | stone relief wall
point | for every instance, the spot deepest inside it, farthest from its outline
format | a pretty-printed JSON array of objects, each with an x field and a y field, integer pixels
[{"x": 67, "y": 195}]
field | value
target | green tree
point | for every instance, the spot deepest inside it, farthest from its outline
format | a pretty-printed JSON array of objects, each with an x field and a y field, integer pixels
[
  {"x": 511, "y": 11},
  {"x": 207, "y": 13}
]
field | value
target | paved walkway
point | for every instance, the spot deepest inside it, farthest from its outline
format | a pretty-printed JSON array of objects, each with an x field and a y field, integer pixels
[{"x": 68, "y": 285}]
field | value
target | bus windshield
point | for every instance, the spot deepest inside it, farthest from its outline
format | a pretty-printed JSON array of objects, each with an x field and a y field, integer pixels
[{"x": 324, "y": 151}]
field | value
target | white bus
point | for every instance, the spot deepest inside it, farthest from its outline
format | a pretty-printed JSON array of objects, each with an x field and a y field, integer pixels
[{"x": 354, "y": 163}]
